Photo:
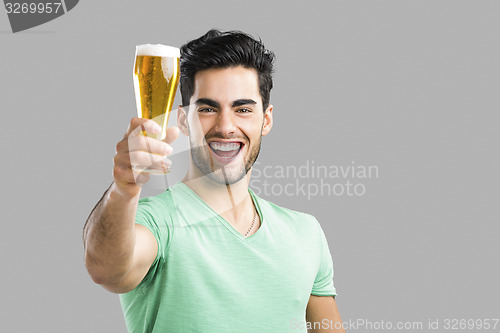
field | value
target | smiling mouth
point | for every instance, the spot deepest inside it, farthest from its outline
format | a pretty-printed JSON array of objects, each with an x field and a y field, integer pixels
[{"x": 225, "y": 151}]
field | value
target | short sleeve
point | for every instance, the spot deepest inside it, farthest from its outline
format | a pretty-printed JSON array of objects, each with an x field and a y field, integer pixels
[
  {"x": 154, "y": 215},
  {"x": 323, "y": 284}
]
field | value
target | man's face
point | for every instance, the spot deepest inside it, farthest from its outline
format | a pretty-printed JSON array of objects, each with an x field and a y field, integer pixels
[{"x": 225, "y": 123}]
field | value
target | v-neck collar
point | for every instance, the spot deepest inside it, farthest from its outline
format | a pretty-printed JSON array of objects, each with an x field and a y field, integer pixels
[{"x": 255, "y": 200}]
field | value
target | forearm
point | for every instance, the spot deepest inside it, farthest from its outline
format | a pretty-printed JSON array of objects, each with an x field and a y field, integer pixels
[{"x": 109, "y": 237}]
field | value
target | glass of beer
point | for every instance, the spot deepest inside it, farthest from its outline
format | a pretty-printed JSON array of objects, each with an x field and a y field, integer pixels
[{"x": 156, "y": 77}]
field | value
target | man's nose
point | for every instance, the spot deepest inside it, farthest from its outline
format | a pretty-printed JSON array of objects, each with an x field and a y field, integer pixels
[{"x": 225, "y": 122}]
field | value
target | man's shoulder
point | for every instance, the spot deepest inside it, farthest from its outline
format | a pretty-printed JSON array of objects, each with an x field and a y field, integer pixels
[{"x": 291, "y": 215}]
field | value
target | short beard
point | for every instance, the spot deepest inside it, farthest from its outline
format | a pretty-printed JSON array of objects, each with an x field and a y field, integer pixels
[{"x": 203, "y": 162}]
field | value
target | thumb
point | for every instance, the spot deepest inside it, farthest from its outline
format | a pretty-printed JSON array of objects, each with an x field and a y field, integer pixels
[{"x": 172, "y": 134}]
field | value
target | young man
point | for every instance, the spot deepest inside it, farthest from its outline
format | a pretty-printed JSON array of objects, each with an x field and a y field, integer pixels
[{"x": 208, "y": 255}]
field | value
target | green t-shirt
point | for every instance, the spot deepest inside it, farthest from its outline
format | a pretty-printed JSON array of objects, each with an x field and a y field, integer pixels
[{"x": 207, "y": 277}]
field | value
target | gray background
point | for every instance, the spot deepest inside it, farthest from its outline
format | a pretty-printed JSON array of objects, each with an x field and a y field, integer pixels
[{"x": 409, "y": 86}]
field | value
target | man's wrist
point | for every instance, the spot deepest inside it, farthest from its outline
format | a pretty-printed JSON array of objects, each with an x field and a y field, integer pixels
[{"x": 116, "y": 193}]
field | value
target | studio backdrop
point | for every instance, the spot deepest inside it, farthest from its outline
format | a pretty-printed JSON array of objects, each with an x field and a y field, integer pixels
[{"x": 386, "y": 129}]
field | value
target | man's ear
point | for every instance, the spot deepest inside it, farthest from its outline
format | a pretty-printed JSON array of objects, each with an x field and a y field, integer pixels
[
  {"x": 182, "y": 120},
  {"x": 268, "y": 120}
]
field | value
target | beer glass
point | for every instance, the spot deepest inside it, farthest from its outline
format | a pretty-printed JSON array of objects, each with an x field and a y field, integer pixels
[{"x": 156, "y": 77}]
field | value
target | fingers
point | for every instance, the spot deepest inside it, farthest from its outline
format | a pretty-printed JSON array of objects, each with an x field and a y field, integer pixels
[
  {"x": 135, "y": 139},
  {"x": 138, "y": 126},
  {"x": 137, "y": 152},
  {"x": 147, "y": 144},
  {"x": 142, "y": 160}
]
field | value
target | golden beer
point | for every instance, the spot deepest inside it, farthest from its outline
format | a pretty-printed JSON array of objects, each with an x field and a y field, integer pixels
[{"x": 156, "y": 77}]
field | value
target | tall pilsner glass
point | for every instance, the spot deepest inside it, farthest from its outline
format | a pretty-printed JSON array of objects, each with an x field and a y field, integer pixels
[{"x": 156, "y": 77}]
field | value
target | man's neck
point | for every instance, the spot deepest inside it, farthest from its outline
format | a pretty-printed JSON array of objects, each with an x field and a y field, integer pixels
[{"x": 233, "y": 202}]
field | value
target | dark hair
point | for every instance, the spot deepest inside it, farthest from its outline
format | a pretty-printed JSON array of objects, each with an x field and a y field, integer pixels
[{"x": 217, "y": 49}]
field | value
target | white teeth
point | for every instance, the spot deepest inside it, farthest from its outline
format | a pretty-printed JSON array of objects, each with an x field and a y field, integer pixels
[{"x": 224, "y": 146}]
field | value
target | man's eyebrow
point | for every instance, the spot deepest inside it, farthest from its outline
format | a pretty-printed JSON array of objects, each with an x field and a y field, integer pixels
[
  {"x": 240, "y": 102},
  {"x": 207, "y": 101}
]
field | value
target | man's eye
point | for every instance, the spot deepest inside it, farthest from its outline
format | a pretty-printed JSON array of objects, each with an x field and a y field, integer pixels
[
  {"x": 206, "y": 110},
  {"x": 244, "y": 110}
]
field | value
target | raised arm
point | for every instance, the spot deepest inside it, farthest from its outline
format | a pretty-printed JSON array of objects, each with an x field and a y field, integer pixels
[{"x": 119, "y": 252}]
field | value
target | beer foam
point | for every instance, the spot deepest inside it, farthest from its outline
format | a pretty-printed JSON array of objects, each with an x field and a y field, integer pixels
[{"x": 157, "y": 50}]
